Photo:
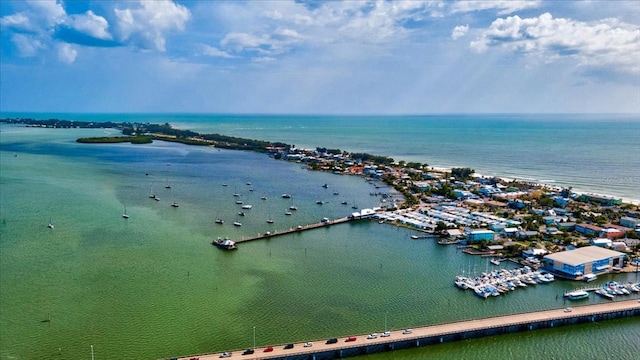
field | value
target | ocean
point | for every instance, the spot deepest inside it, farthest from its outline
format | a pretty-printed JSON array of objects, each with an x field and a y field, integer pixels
[{"x": 152, "y": 286}]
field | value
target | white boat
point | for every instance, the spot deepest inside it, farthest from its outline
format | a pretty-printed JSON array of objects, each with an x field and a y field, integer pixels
[
  {"x": 577, "y": 295},
  {"x": 50, "y": 225},
  {"x": 219, "y": 221},
  {"x": 238, "y": 202},
  {"x": 269, "y": 221},
  {"x": 124, "y": 214},
  {"x": 286, "y": 196},
  {"x": 589, "y": 277},
  {"x": 287, "y": 212},
  {"x": 175, "y": 204},
  {"x": 247, "y": 206},
  {"x": 494, "y": 261},
  {"x": 237, "y": 223}
]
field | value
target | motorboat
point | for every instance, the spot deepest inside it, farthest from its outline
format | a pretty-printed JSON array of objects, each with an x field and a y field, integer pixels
[
  {"x": 247, "y": 206},
  {"x": 577, "y": 295}
]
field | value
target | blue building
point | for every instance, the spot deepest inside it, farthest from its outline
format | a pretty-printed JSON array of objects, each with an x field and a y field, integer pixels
[
  {"x": 574, "y": 264},
  {"x": 479, "y": 235}
]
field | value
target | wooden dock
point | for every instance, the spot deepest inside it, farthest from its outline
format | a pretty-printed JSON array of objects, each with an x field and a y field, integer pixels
[
  {"x": 448, "y": 332},
  {"x": 291, "y": 230}
]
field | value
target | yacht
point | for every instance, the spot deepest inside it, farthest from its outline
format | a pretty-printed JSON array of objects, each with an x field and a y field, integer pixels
[{"x": 577, "y": 295}]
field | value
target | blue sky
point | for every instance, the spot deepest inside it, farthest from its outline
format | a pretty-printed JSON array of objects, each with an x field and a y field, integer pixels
[{"x": 320, "y": 57}]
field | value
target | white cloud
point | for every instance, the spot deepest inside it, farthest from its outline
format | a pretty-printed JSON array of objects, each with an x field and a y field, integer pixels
[
  {"x": 215, "y": 52},
  {"x": 502, "y": 6},
  {"x": 66, "y": 53},
  {"x": 605, "y": 43},
  {"x": 28, "y": 46},
  {"x": 459, "y": 31},
  {"x": 18, "y": 21},
  {"x": 50, "y": 11},
  {"x": 147, "y": 24},
  {"x": 91, "y": 24}
]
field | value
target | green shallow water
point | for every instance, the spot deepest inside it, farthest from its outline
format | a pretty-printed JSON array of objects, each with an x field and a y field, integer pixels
[{"x": 153, "y": 286}]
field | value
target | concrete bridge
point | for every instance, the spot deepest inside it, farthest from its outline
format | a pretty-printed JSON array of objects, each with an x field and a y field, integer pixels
[{"x": 434, "y": 334}]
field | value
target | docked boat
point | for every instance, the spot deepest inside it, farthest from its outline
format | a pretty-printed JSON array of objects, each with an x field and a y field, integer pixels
[
  {"x": 590, "y": 277},
  {"x": 495, "y": 261},
  {"x": 225, "y": 244},
  {"x": 577, "y": 295}
]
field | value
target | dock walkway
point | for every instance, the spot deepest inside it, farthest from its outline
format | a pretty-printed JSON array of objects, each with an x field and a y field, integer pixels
[
  {"x": 292, "y": 230},
  {"x": 445, "y": 332}
]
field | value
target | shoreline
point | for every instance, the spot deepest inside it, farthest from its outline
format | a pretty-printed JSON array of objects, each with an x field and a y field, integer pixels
[{"x": 224, "y": 141}]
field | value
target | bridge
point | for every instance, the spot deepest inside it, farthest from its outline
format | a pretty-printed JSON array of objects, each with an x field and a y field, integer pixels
[{"x": 434, "y": 334}]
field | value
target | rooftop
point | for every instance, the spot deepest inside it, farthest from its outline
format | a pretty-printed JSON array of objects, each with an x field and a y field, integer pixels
[{"x": 583, "y": 255}]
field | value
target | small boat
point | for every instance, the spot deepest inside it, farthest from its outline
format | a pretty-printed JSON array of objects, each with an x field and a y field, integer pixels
[
  {"x": 589, "y": 277},
  {"x": 495, "y": 261},
  {"x": 248, "y": 183},
  {"x": 175, "y": 204},
  {"x": 336, "y": 193},
  {"x": 124, "y": 214},
  {"x": 264, "y": 198},
  {"x": 415, "y": 237},
  {"x": 247, "y": 206},
  {"x": 219, "y": 221},
  {"x": 269, "y": 221},
  {"x": 319, "y": 202},
  {"x": 225, "y": 184},
  {"x": 344, "y": 203},
  {"x": 241, "y": 213},
  {"x": 50, "y": 225},
  {"x": 225, "y": 244},
  {"x": 325, "y": 186},
  {"x": 286, "y": 196},
  {"x": 577, "y": 295},
  {"x": 287, "y": 212},
  {"x": 237, "y": 223},
  {"x": 238, "y": 202}
]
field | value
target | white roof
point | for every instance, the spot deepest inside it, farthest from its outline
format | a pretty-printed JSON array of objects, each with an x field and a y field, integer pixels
[{"x": 583, "y": 255}]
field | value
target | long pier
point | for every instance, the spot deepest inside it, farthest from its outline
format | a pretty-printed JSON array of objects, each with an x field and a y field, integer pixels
[
  {"x": 299, "y": 228},
  {"x": 435, "y": 334}
]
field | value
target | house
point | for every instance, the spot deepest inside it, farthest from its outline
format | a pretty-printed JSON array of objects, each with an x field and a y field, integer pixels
[
  {"x": 479, "y": 235},
  {"x": 531, "y": 252},
  {"x": 566, "y": 226},
  {"x": 588, "y": 229},
  {"x": 630, "y": 222},
  {"x": 611, "y": 233},
  {"x": 603, "y": 243},
  {"x": 574, "y": 264},
  {"x": 601, "y": 199},
  {"x": 526, "y": 234}
]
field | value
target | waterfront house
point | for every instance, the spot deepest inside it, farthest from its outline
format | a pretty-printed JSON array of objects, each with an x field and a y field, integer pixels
[
  {"x": 574, "y": 264},
  {"x": 601, "y": 199},
  {"x": 479, "y": 235}
]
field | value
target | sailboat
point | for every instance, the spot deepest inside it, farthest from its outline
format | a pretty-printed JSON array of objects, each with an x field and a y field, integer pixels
[
  {"x": 269, "y": 219},
  {"x": 124, "y": 214},
  {"x": 219, "y": 221},
  {"x": 152, "y": 195},
  {"x": 354, "y": 206},
  {"x": 292, "y": 207},
  {"x": 237, "y": 222},
  {"x": 50, "y": 226},
  {"x": 167, "y": 186}
]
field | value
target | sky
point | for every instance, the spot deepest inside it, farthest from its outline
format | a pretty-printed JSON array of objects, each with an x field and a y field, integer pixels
[{"x": 320, "y": 57}]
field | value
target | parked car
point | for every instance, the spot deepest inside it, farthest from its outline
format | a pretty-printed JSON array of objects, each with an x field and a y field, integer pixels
[
  {"x": 350, "y": 339},
  {"x": 225, "y": 355},
  {"x": 288, "y": 346},
  {"x": 372, "y": 336},
  {"x": 308, "y": 344},
  {"x": 332, "y": 341},
  {"x": 248, "y": 352},
  {"x": 268, "y": 349},
  {"x": 385, "y": 334},
  {"x": 407, "y": 331}
]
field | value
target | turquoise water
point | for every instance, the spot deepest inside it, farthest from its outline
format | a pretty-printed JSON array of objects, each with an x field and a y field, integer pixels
[
  {"x": 591, "y": 153},
  {"x": 153, "y": 286}
]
